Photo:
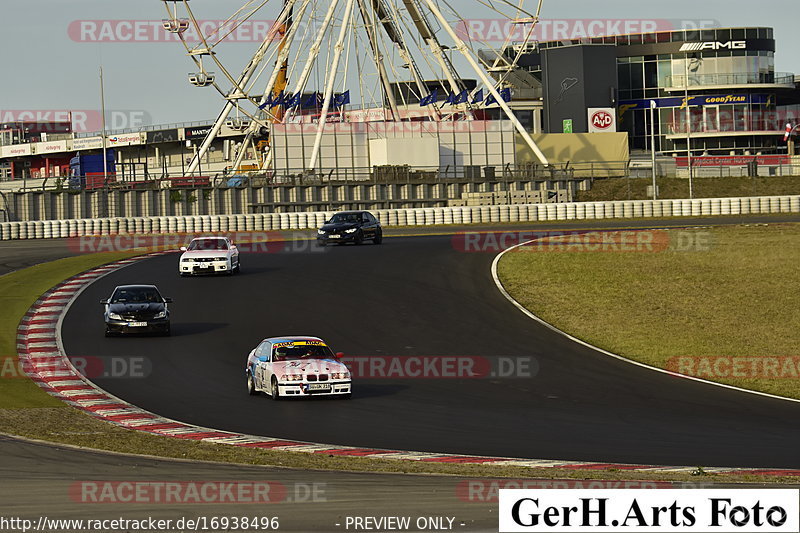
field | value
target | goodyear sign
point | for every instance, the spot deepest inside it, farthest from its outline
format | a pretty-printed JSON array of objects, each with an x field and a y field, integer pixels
[{"x": 700, "y": 100}]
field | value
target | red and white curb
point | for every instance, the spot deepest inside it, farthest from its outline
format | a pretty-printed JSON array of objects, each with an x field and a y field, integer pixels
[{"x": 39, "y": 349}]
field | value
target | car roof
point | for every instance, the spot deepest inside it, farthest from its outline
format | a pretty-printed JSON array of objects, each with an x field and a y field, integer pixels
[
  {"x": 135, "y": 287},
  {"x": 350, "y": 212},
  {"x": 209, "y": 237},
  {"x": 292, "y": 338}
]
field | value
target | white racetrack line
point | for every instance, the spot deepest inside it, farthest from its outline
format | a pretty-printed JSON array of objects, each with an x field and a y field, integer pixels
[{"x": 606, "y": 352}]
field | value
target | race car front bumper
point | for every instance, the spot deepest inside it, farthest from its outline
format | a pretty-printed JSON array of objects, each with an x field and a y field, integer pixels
[
  {"x": 206, "y": 267},
  {"x": 117, "y": 327},
  {"x": 322, "y": 388}
]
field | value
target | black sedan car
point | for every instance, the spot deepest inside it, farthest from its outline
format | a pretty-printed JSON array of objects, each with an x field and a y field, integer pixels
[
  {"x": 350, "y": 226},
  {"x": 136, "y": 309}
]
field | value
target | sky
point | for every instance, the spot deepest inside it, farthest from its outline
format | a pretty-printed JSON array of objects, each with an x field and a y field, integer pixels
[{"x": 53, "y": 49}]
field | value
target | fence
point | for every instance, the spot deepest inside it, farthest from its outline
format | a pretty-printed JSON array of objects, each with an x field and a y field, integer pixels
[{"x": 402, "y": 217}]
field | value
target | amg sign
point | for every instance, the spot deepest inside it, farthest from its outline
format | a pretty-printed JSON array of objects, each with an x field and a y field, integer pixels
[{"x": 713, "y": 45}]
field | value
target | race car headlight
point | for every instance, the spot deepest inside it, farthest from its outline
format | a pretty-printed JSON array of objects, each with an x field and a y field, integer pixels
[
  {"x": 162, "y": 314},
  {"x": 320, "y": 232},
  {"x": 187, "y": 260},
  {"x": 114, "y": 316},
  {"x": 220, "y": 259},
  {"x": 291, "y": 377},
  {"x": 340, "y": 375},
  {"x": 351, "y": 230}
]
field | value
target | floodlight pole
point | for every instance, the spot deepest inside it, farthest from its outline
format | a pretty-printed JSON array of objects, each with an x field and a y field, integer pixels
[{"x": 653, "y": 145}]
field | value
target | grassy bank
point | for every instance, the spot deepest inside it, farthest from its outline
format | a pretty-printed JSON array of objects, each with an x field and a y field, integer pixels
[
  {"x": 709, "y": 310},
  {"x": 669, "y": 188}
]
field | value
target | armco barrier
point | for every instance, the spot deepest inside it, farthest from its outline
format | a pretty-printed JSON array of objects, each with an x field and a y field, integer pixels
[{"x": 46, "y": 229}]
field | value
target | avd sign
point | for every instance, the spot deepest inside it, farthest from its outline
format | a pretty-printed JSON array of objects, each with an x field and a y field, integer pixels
[{"x": 602, "y": 119}]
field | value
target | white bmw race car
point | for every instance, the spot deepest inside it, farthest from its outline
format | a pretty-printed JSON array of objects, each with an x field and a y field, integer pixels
[
  {"x": 286, "y": 367},
  {"x": 209, "y": 255}
]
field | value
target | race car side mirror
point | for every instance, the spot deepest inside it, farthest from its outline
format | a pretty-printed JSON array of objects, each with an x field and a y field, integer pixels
[
  {"x": 104, "y": 301},
  {"x": 183, "y": 248},
  {"x": 339, "y": 355},
  {"x": 167, "y": 300}
]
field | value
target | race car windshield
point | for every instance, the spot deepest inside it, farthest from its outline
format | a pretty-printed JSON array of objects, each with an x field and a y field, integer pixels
[
  {"x": 345, "y": 218},
  {"x": 135, "y": 296},
  {"x": 208, "y": 244},
  {"x": 302, "y": 352}
]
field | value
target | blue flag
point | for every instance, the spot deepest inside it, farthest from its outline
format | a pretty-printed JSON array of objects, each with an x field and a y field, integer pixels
[
  {"x": 462, "y": 98},
  {"x": 278, "y": 101},
  {"x": 294, "y": 101},
  {"x": 267, "y": 103},
  {"x": 312, "y": 100},
  {"x": 451, "y": 98},
  {"x": 341, "y": 99},
  {"x": 478, "y": 98},
  {"x": 431, "y": 98},
  {"x": 505, "y": 94}
]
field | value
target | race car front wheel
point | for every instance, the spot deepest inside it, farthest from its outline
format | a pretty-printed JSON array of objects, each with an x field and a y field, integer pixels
[
  {"x": 251, "y": 385},
  {"x": 274, "y": 391}
]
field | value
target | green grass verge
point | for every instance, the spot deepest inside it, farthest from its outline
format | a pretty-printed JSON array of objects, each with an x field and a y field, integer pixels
[
  {"x": 27, "y": 411},
  {"x": 735, "y": 299},
  {"x": 609, "y": 189},
  {"x": 18, "y": 291}
]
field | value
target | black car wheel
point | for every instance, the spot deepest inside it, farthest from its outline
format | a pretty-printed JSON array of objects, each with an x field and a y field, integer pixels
[
  {"x": 274, "y": 391},
  {"x": 359, "y": 238},
  {"x": 321, "y": 243},
  {"x": 167, "y": 332},
  {"x": 378, "y": 237},
  {"x": 251, "y": 385},
  {"x": 109, "y": 333}
]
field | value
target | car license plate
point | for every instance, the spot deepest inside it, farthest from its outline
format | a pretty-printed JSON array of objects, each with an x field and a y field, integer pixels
[
  {"x": 137, "y": 324},
  {"x": 319, "y": 387},
  {"x": 334, "y": 236}
]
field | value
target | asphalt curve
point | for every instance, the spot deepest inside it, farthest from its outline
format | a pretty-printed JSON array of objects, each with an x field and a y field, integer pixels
[{"x": 419, "y": 296}]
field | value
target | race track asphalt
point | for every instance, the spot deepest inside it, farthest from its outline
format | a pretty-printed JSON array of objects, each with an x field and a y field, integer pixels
[
  {"x": 418, "y": 296},
  {"x": 61, "y": 483}
]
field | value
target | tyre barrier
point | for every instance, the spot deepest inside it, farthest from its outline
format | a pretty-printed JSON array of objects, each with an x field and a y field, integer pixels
[{"x": 53, "y": 229}]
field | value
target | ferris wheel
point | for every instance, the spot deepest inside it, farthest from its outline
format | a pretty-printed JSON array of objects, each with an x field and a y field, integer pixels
[{"x": 330, "y": 54}]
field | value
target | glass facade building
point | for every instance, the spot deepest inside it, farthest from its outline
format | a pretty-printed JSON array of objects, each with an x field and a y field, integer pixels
[{"x": 716, "y": 87}]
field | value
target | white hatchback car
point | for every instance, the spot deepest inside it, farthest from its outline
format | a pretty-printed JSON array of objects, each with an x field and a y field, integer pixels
[
  {"x": 286, "y": 367},
  {"x": 209, "y": 255}
]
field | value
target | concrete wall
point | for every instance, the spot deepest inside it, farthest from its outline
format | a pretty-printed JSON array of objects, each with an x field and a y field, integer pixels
[{"x": 401, "y": 217}]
